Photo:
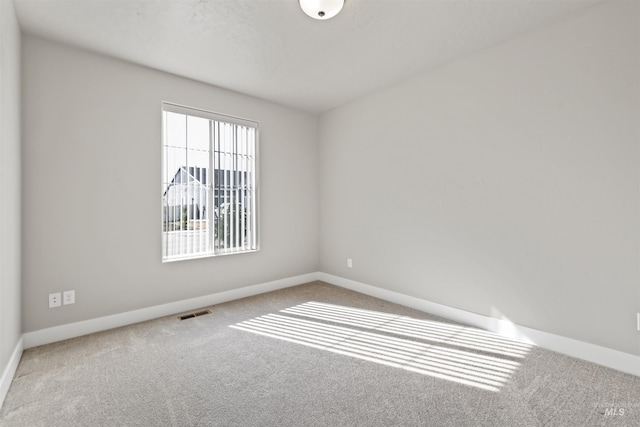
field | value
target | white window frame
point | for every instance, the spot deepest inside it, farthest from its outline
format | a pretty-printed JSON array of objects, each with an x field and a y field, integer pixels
[{"x": 213, "y": 249}]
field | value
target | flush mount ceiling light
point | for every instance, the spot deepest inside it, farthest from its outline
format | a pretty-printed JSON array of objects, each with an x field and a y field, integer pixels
[{"x": 321, "y": 9}]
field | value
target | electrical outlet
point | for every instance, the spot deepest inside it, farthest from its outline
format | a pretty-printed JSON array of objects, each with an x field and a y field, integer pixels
[
  {"x": 349, "y": 263},
  {"x": 55, "y": 300},
  {"x": 69, "y": 297},
  {"x": 638, "y": 321}
]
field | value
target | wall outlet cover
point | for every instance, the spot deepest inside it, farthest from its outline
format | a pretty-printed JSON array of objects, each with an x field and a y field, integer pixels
[
  {"x": 55, "y": 300},
  {"x": 69, "y": 297}
]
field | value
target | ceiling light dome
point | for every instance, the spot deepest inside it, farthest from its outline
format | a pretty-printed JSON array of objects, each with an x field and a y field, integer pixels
[{"x": 321, "y": 9}]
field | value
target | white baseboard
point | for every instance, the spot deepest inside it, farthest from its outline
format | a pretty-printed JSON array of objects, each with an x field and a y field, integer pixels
[
  {"x": 610, "y": 358},
  {"x": 10, "y": 370},
  {"x": 72, "y": 330},
  {"x": 604, "y": 356}
]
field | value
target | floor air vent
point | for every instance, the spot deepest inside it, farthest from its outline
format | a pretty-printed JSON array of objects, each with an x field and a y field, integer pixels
[{"x": 192, "y": 315}]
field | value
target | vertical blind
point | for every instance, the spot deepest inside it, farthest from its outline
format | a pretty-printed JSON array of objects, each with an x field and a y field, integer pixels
[{"x": 209, "y": 184}]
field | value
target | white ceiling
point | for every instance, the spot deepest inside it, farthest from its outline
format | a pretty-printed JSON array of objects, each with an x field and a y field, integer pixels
[{"x": 270, "y": 49}]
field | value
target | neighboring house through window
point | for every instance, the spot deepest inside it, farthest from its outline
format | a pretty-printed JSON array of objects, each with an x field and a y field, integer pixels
[{"x": 209, "y": 184}]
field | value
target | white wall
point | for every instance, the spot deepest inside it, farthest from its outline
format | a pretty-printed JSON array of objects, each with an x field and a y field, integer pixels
[
  {"x": 92, "y": 138},
  {"x": 504, "y": 184},
  {"x": 10, "y": 328}
]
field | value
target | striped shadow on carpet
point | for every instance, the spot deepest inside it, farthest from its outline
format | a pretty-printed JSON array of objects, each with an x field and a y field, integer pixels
[{"x": 441, "y": 350}]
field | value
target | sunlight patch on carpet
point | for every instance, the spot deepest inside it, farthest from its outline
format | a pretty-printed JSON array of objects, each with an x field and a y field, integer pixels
[
  {"x": 488, "y": 366},
  {"x": 457, "y": 335}
]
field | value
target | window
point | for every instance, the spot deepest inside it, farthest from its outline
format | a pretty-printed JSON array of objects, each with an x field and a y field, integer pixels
[{"x": 209, "y": 184}]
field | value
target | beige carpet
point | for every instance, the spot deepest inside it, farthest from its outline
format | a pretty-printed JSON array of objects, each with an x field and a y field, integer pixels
[{"x": 311, "y": 355}]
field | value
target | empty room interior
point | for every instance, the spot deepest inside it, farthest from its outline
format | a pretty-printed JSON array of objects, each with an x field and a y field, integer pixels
[{"x": 324, "y": 212}]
